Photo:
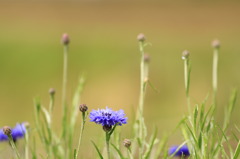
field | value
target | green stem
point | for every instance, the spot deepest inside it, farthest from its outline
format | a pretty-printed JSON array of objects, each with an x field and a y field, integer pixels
[
  {"x": 81, "y": 132},
  {"x": 13, "y": 146},
  {"x": 214, "y": 76},
  {"x": 187, "y": 82},
  {"x": 107, "y": 144}
]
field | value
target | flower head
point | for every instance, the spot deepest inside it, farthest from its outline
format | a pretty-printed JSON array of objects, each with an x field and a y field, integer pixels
[
  {"x": 17, "y": 132},
  {"x": 108, "y": 117},
  {"x": 183, "y": 151}
]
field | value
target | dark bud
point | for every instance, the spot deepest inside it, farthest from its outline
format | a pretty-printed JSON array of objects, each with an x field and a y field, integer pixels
[
  {"x": 185, "y": 55},
  {"x": 83, "y": 108},
  {"x": 141, "y": 37},
  {"x": 52, "y": 91},
  {"x": 65, "y": 39},
  {"x": 7, "y": 130},
  {"x": 216, "y": 44},
  {"x": 127, "y": 143},
  {"x": 107, "y": 128},
  {"x": 146, "y": 58}
]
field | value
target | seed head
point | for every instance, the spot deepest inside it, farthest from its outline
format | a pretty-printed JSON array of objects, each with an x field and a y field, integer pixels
[
  {"x": 216, "y": 43},
  {"x": 146, "y": 58},
  {"x": 127, "y": 143},
  {"x": 107, "y": 128},
  {"x": 141, "y": 37},
  {"x": 65, "y": 39},
  {"x": 83, "y": 108},
  {"x": 7, "y": 130},
  {"x": 52, "y": 91},
  {"x": 185, "y": 55}
]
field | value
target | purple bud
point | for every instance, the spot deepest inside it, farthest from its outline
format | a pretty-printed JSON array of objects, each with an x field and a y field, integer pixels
[{"x": 65, "y": 39}]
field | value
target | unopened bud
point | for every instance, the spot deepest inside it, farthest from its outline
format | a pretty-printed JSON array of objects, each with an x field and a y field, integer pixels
[
  {"x": 146, "y": 58},
  {"x": 107, "y": 128},
  {"x": 127, "y": 143},
  {"x": 51, "y": 91},
  {"x": 83, "y": 108},
  {"x": 185, "y": 55},
  {"x": 7, "y": 130},
  {"x": 65, "y": 39},
  {"x": 141, "y": 37},
  {"x": 216, "y": 44}
]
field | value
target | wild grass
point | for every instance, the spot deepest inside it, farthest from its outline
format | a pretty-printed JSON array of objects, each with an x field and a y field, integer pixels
[{"x": 202, "y": 136}]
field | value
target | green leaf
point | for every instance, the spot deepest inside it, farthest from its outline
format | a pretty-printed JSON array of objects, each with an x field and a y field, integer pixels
[
  {"x": 118, "y": 151},
  {"x": 98, "y": 151},
  {"x": 152, "y": 141},
  {"x": 237, "y": 151}
]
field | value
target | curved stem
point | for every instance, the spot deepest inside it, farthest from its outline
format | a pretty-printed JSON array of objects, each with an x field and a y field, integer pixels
[{"x": 13, "y": 146}]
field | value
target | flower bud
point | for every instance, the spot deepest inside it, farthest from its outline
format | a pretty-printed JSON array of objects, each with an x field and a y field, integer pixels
[
  {"x": 52, "y": 91},
  {"x": 141, "y": 37},
  {"x": 83, "y": 108},
  {"x": 146, "y": 58},
  {"x": 127, "y": 143},
  {"x": 185, "y": 55},
  {"x": 65, "y": 39},
  {"x": 7, "y": 130},
  {"x": 216, "y": 44},
  {"x": 107, "y": 128}
]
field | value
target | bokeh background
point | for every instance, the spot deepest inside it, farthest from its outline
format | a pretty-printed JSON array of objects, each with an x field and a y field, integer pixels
[{"x": 104, "y": 47}]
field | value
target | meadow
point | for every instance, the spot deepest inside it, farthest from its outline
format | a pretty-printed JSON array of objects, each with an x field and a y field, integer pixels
[{"x": 103, "y": 48}]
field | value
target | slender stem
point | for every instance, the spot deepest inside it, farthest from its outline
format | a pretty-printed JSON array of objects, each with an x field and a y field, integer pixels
[
  {"x": 81, "y": 132},
  {"x": 51, "y": 104},
  {"x": 13, "y": 146},
  {"x": 215, "y": 71},
  {"x": 187, "y": 82},
  {"x": 64, "y": 104},
  {"x": 65, "y": 60},
  {"x": 107, "y": 144},
  {"x": 27, "y": 145}
]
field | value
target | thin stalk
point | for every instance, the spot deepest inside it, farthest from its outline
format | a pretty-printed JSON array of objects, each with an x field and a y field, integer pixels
[
  {"x": 187, "y": 82},
  {"x": 64, "y": 103},
  {"x": 13, "y": 146},
  {"x": 81, "y": 133},
  {"x": 27, "y": 145},
  {"x": 215, "y": 74},
  {"x": 51, "y": 104},
  {"x": 141, "y": 98},
  {"x": 107, "y": 144}
]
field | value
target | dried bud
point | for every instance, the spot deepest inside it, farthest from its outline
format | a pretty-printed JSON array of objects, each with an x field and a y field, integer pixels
[
  {"x": 185, "y": 55},
  {"x": 107, "y": 128},
  {"x": 127, "y": 143},
  {"x": 146, "y": 58},
  {"x": 65, "y": 39},
  {"x": 7, "y": 130},
  {"x": 52, "y": 91},
  {"x": 83, "y": 108},
  {"x": 141, "y": 37},
  {"x": 216, "y": 44},
  {"x": 26, "y": 124}
]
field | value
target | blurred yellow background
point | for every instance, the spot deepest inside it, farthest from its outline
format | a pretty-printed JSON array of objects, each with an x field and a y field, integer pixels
[{"x": 104, "y": 46}]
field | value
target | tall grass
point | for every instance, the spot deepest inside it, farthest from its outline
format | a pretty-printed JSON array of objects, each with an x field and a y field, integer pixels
[{"x": 203, "y": 135}]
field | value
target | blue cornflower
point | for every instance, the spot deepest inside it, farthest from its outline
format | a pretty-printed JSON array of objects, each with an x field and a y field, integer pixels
[
  {"x": 17, "y": 132},
  {"x": 183, "y": 151},
  {"x": 108, "y": 117}
]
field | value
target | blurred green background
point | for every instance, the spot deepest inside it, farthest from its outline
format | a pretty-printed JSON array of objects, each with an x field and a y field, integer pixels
[{"x": 104, "y": 47}]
